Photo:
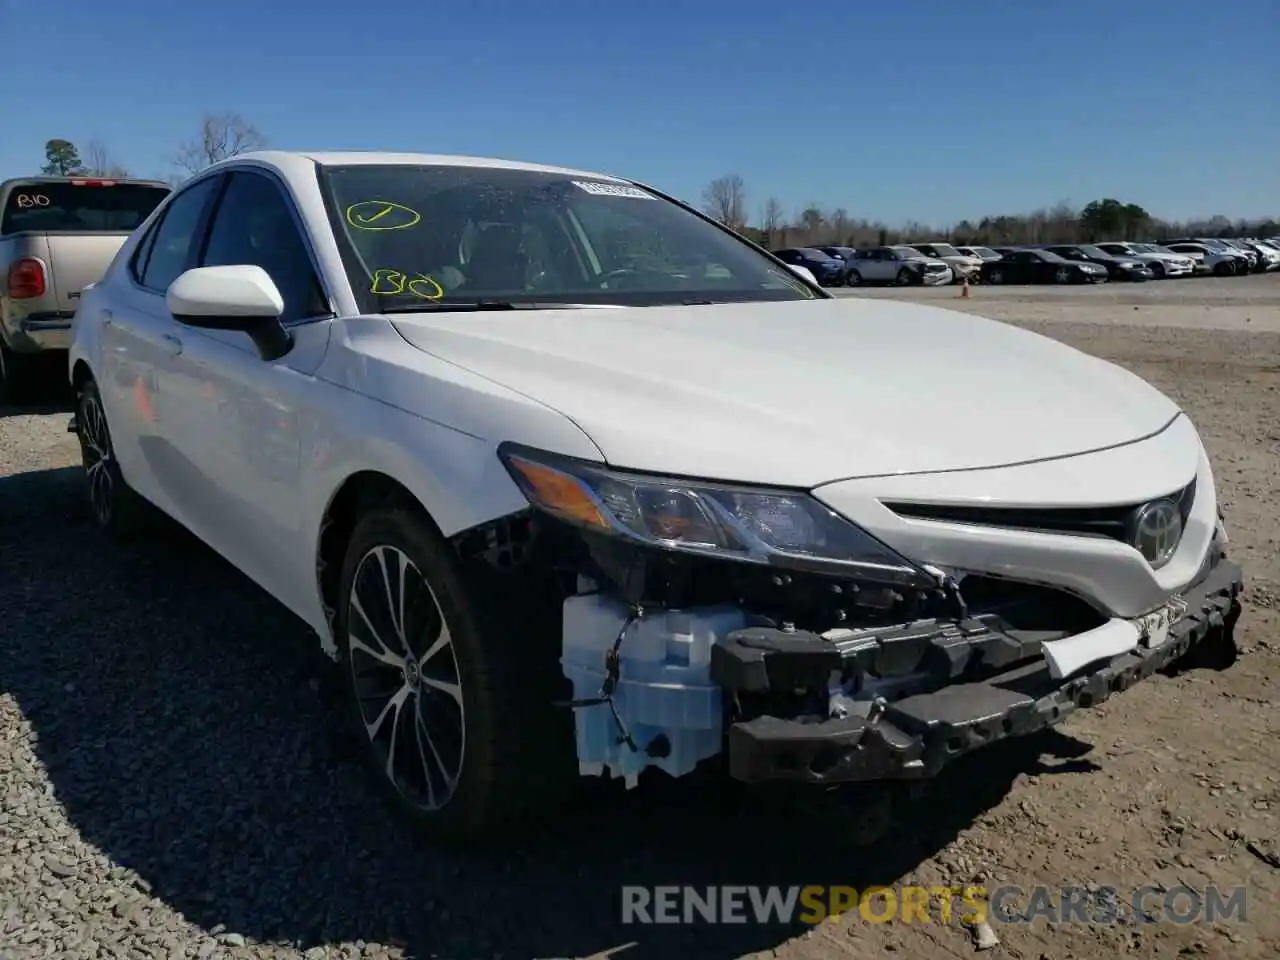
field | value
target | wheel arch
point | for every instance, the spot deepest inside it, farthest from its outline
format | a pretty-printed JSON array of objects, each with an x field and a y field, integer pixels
[
  {"x": 81, "y": 373},
  {"x": 358, "y": 493},
  {"x": 447, "y": 505}
]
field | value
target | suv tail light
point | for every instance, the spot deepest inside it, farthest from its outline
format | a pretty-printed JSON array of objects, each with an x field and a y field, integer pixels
[{"x": 26, "y": 279}]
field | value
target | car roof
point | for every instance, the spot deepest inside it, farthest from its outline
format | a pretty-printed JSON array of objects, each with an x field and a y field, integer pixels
[{"x": 290, "y": 161}]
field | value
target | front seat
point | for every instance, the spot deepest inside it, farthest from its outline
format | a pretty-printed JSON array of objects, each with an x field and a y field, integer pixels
[{"x": 497, "y": 261}]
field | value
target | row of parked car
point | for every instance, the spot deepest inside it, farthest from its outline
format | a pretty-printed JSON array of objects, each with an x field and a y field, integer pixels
[{"x": 942, "y": 263}]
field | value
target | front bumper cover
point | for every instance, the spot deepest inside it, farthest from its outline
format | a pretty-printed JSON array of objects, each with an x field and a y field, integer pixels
[{"x": 914, "y": 737}]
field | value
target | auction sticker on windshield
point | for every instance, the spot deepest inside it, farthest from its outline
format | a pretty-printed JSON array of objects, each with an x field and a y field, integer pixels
[{"x": 612, "y": 190}]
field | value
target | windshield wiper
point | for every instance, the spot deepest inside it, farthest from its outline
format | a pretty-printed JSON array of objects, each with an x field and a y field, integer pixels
[{"x": 476, "y": 306}]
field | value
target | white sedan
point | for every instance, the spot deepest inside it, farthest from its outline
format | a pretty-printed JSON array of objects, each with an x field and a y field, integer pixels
[{"x": 571, "y": 480}]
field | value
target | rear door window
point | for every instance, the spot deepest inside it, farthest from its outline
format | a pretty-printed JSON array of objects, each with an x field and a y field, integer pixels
[{"x": 74, "y": 206}]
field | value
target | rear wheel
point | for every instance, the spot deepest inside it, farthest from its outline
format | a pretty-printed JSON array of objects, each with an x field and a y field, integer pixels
[
  {"x": 116, "y": 508},
  {"x": 453, "y": 710}
]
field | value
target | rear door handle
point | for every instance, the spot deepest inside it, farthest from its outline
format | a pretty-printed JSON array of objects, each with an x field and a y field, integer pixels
[{"x": 172, "y": 345}]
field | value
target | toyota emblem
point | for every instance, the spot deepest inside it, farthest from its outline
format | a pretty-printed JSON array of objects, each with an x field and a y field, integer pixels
[{"x": 1157, "y": 530}]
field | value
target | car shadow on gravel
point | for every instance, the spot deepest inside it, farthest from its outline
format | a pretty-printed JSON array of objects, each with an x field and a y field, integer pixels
[{"x": 175, "y": 709}]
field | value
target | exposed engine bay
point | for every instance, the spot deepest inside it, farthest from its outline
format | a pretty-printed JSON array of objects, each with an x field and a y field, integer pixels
[{"x": 803, "y": 675}]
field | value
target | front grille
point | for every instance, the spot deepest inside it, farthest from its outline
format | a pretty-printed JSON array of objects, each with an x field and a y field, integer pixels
[{"x": 1114, "y": 523}]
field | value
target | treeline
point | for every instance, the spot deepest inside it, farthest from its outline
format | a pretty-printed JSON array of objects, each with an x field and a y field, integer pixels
[
  {"x": 221, "y": 135},
  {"x": 1107, "y": 219}
]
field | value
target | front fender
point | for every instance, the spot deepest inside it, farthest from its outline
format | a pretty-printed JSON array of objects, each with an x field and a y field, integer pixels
[{"x": 453, "y": 471}]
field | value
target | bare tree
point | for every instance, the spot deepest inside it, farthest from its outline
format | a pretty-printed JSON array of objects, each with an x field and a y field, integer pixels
[
  {"x": 98, "y": 161},
  {"x": 771, "y": 219},
  {"x": 726, "y": 199},
  {"x": 840, "y": 225},
  {"x": 221, "y": 135}
]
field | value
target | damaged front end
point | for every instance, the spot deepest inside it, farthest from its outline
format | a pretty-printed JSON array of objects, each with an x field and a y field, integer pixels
[{"x": 758, "y": 627}]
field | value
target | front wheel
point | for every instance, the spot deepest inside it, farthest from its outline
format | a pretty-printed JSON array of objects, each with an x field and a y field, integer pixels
[
  {"x": 854, "y": 279},
  {"x": 1157, "y": 271},
  {"x": 1063, "y": 275},
  {"x": 997, "y": 277},
  {"x": 453, "y": 710},
  {"x": 903, "y": 278},
  {"x": 1224, "y": 269}
]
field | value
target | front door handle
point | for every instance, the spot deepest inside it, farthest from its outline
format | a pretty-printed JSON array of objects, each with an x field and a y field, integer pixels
[{"x": 172, "y": 345}]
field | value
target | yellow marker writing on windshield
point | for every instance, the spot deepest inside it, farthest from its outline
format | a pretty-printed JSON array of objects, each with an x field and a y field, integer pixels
[
  {"x": 394, "y": 283},
  {"x": 382, "y": 215}
]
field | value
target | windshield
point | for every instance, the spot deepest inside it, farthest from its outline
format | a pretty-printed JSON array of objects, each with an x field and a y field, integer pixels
[
  {"x": 986, "y": 253},
  {"x": 813, "y": 253},
  {"x": 1215, "y": 244},
  {"x": 907, "y": 252},
  {"x": 1050, "y": 256},
  {"x": 945, "y": 250},
  {"x": 79, "y": 207},
  {"x": 1119, "y": 249},
  {"x": 422, "y": 234}
]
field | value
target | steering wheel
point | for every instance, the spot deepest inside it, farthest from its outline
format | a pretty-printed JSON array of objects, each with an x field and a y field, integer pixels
[{"x": 611, "y": 275}]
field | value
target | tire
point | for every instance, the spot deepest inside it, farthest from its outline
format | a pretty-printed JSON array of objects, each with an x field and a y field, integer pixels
[
  {"x": 997, "y": 277},
  {"x": 1157, "y": 271},
  {"x": 1223, "y": 269},
  {"x": 475, "y": 697},
  {"x": 116, "y": 509},
  {"x": 17, "y": 383},
  {"x": 854, "y": 279},
  {"x": 903, "y": 279},
  {"x": 1065, "y": 275}
]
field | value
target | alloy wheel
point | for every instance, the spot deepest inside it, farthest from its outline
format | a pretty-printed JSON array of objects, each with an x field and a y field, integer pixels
[
  {"x": 98, "y": 456},
  {"x": 1063, "y": 275},
  {"x": 405, "y": 675}
]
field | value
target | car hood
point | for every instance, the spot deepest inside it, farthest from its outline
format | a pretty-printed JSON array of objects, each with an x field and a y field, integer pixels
[{"x": 800, "y": 393}]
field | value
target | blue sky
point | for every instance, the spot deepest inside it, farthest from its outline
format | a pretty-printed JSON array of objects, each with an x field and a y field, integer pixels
[{"x": 929, "y": 110}]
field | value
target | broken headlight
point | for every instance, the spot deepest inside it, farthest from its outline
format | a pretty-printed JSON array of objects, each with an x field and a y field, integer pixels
[{"x": 786, "y": 528}]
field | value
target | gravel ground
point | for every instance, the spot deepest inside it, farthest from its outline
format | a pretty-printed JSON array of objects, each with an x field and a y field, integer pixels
[{"x": 170, "y": 786}]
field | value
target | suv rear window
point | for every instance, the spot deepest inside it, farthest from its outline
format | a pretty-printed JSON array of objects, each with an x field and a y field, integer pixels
[{"x": 79, "y": 208}]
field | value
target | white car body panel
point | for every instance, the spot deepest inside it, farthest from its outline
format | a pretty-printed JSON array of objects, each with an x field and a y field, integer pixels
[
  {"x": 1111, "y": 573},
  {"x": 630, "y": 379},
  {"x": 249, "y": 454}
]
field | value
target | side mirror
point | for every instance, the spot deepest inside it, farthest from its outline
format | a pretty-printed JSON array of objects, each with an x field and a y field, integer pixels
[
  {"x": 803, "y": 273},
  {"x": 241, "y": 297}
]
